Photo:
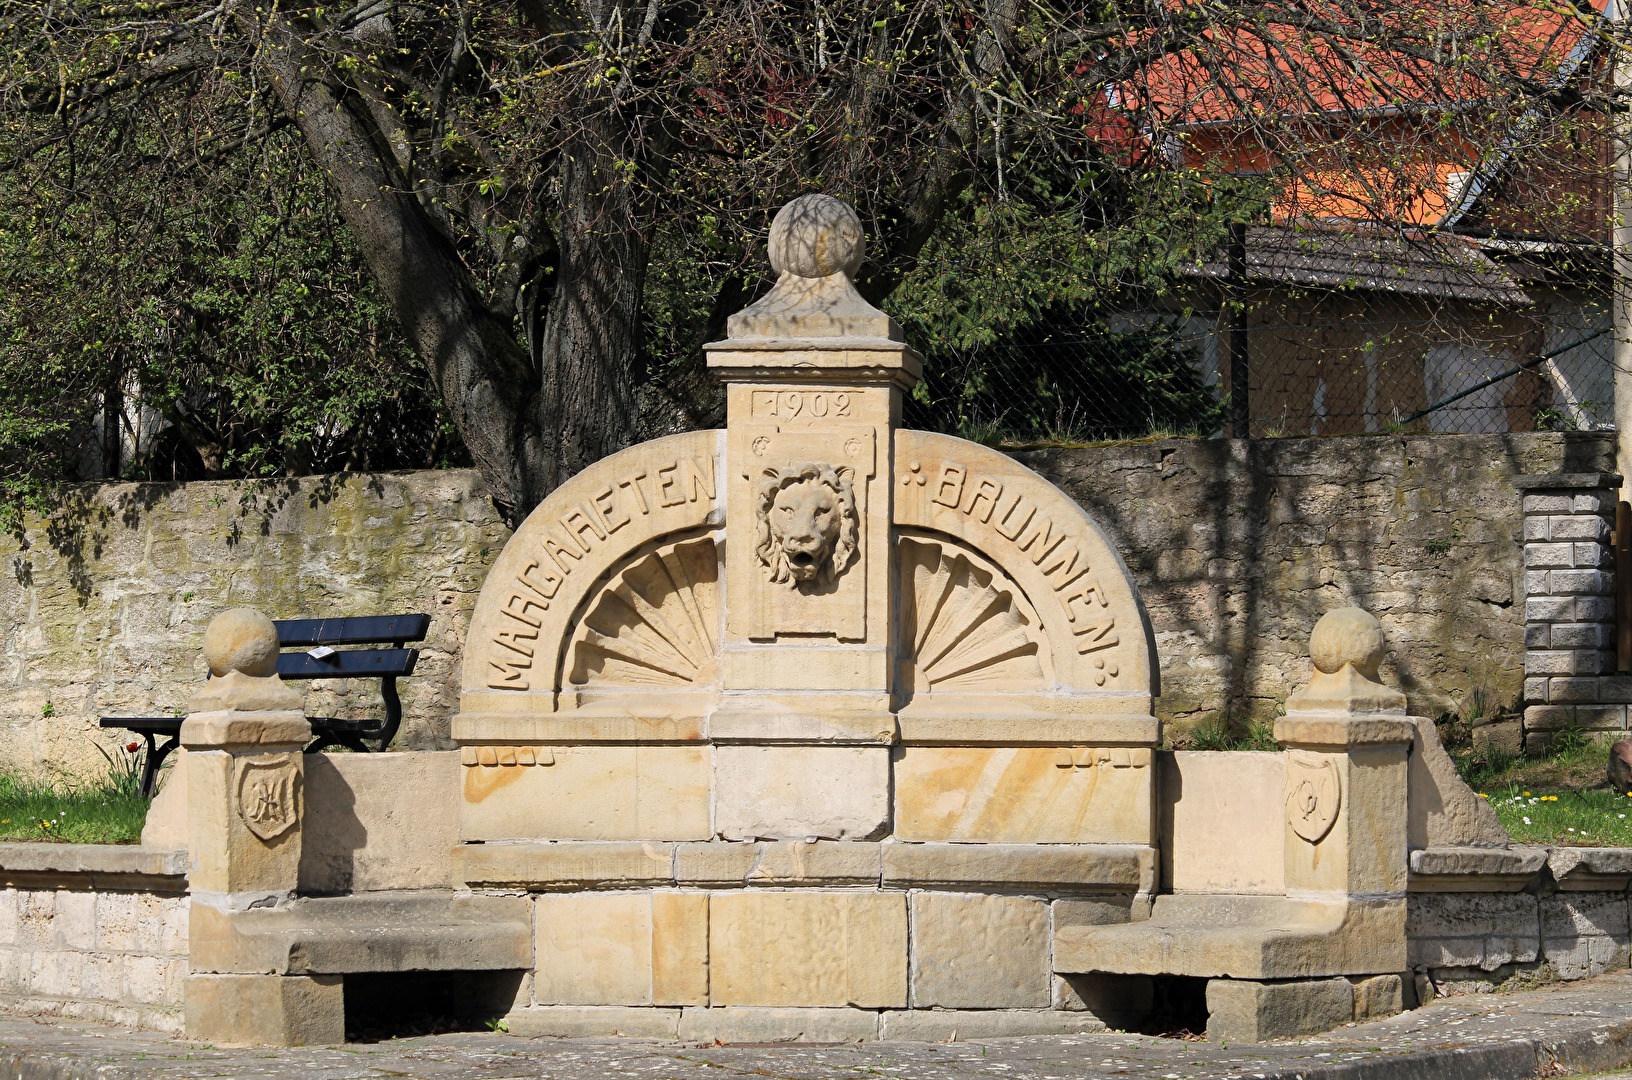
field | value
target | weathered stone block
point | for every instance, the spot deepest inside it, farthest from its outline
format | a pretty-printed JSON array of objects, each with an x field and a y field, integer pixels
[
  {"x": 1549, "y": 556},
  {"x": 1547, "y": 504},
  {"x": 979, "y": 951},
  {"x": 1572, "y": 689},
  {"x": 1242, "y": 1011},
  {"x": 266, "y": 1010},
  {"x": 1560, "y": 662},
  {"x": 591, "y": 793},
  {"x": 1378, "y": 996},
  {"x": 1539, "y": 718},
  {"x": 1581, "y": 582},
  {"x": 787, "y": 792},
  {"x": 366, "y": 825},
  {"x": 1574, "y": 527},
  {"x": 1472, "y": 930},
  {"x": 1591, "y": 635},
  {"x": 1538, "y": 636},
  {"x": 1545, "y": 608},
  {"x": 1039, "y": 795},
  {"x": 629, "y": 948},
  {"x": 810, "y": 949},
  {"x": 1585, "y": 933},
  {"x": 593, "y": 1022},
  {"x": 750, "y": 1025}
]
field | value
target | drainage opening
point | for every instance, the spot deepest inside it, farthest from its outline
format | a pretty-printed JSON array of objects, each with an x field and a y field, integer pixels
[
  {"x": 1178, "y": 1008},
  {"x": 395, "y": 1005}
]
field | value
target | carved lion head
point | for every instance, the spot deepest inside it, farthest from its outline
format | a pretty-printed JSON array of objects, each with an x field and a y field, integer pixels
[{"x": 807, "y": 522}]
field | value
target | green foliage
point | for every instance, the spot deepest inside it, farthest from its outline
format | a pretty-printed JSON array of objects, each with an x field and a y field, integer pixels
[
  {"x": 106, "y": 811},
  {"x": 1014, "y": 304},
  {"x": 219, "y": 301}
]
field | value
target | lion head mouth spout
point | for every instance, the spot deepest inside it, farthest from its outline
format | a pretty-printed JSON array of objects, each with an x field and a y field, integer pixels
[{"x": 807, "y": 523}]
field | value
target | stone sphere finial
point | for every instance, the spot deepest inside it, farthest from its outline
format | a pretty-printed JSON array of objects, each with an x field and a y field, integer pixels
[
  {"x": 816, "y": 236},
  {"x": 244, "y": 640},
  {"x": 1347, "y": 635}
]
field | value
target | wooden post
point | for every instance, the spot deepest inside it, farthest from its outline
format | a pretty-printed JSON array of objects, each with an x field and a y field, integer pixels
[{"x": 1236, "y": 293}]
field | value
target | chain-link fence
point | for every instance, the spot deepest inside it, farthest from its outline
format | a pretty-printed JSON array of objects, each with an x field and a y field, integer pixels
[{"x": 1455, "y": 350}]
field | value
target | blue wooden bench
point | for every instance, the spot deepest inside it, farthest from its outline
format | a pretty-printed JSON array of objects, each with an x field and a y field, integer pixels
[{"x": 323, "y": 653}]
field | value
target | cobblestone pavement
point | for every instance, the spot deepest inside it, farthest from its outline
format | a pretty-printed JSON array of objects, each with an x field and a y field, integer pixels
[{"x": 1574, "y": 1027}]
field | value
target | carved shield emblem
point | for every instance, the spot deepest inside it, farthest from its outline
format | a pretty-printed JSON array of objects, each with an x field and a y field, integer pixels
[
  {"x": 269, "y": 795},
  {"x": 1313, "y": 792}
]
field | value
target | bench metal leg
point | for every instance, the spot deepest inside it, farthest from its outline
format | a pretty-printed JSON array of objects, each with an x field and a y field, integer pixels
[{"x": 153, "y": 760}]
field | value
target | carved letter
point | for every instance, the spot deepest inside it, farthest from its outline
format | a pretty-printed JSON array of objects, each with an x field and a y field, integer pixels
[
  {"x": 949, "y": 486},
  {"x": 551, "y": 582},
  {"x": 702, "y": 483},
  {"x": 512, "y": 639},
  {"x": 666, "y": 480},
  {"x": 1008, "y": 528},
  {"x": 633, "y": 484},
  {"x": 988, "y": 491},
  {"x": 608, "y": 507},
  {"x": 555, "y": 550},
  {"x": 509, "y": 673},
  {"x": 1081, "y": 595},
  {"x": 583, "y": 530},
  {"x": 516, "y": 606},
  {"x": 1091, "y": 637}
]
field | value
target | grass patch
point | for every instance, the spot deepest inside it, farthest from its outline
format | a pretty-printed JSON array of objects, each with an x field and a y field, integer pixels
[
  {"x": 1592, "y": 818},
  {"x": 109, "y": 810}
]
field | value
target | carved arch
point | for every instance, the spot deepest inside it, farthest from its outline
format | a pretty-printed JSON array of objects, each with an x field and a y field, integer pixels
[
  {"x": 566, "y": 550},
  {"x": 1086, "y": 601}
]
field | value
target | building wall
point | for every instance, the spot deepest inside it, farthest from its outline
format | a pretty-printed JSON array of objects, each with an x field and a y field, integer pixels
[{"x": 1238, "y": 548}]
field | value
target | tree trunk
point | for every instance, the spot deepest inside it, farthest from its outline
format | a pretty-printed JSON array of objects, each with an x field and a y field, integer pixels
[
  {"x": 589, "y": 351},
  {"x": 472, "y": 353}
]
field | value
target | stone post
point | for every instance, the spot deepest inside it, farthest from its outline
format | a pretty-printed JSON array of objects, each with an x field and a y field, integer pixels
[
  {"x": 1569, "y": 607},
  {"x": 244, "y": 735},
  {"x": 1346, "y": 737}
]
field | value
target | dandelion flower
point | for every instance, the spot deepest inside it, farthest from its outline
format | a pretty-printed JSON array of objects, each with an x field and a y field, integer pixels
[
  {"x": 1526, "y": 794},
  {"x": 1482, "y": 795}
]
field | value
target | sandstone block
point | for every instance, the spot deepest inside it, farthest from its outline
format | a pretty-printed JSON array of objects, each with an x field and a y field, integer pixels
[
  {"x": 225, "y": 855},
  {"x": 367, "y": 826},
  {"x": 1569, "y": 690},
  {"x": 814, "y": 949},
  {"x": 591, "y": 793},
  {"x": 265, "y": 1010},
  {"x": 1214, "y": 806},
  {"x": 627, "y": 948},
  {"x": 1120, "y": 1001},
  {"x": 1116, "y": 868},
  {"x": 751, "y": 1025},
  {"x": 1443, "y": 811},
  {"x": 1547, "y": 608},
  {"x": 1588, "y": 717},
  {"x": 1547, "y": 504},
  {"x": 1037, "y": 795},
  {"x": 1580, "y": 582},
  {"x": 979, "y": 951},
  {"x": 945, "y": 1025},
  {"x": 1585, "y": 933},
  {"x": 543, "y": 864},
  {"x": 1477, "y": 930},
  {"x": 1243, "y": 1011},
  {"x": 593, "y": 1022},
  {"x": 1549, "y": 555},
  {"x": 793, "y": 792},
  {"x": 1539, "y": 636},
  {"x": 1378, "y": 996}
]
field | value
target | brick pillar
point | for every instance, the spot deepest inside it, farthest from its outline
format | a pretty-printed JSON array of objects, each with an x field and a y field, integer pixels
[{"x": 1569, "y": 606}]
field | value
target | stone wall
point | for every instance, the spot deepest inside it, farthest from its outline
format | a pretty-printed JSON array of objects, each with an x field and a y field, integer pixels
[
  {"x": 103, "y": 612},
  {"x": 1238, "y": 547},
  {"x": 94, "y": 932}
]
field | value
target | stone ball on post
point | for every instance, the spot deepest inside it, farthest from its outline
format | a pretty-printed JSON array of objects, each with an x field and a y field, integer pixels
[
  {"x": 816, "y": 236},
  {"x": 242, "y": 640},
  {"x": 1348, "y": 635}
]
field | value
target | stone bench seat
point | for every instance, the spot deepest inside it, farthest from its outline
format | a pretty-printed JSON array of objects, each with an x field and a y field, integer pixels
[
  {"x": 366, "y": 932},
  {"x": 1237, "y": 937}
]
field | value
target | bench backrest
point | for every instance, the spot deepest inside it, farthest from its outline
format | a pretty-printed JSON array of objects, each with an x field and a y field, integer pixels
[{"x": 308, "y": 634}]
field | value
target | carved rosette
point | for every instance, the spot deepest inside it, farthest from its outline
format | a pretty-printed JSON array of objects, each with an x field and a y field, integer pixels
[
  {"x": 964, "y": 625},
  {"x": 268, "y": 794},
  {"x": 655, "y": 625}
]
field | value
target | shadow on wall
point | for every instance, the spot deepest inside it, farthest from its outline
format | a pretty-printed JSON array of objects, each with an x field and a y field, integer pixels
[{"x": 1240, "y": 546}]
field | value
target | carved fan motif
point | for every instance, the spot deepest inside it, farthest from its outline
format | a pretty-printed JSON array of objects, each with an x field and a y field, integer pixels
[
  {"x": 656, "y": 624},
  {"x": 967, "y": 628}
]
